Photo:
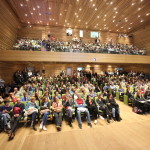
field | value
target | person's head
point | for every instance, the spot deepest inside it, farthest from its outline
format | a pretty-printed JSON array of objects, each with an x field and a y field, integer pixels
[
  {"x": 78, "y": 95},
  {"x": 46, "y": 94},
  {"x": 33, "y": 99},
  {"x": 89, "y": 98},
  {"x": 25, "y": 94},
  {"x": 45, "y": 99},
  {"x": 100, "y": 96},
  {"x": 56, "y": 93},
  {"x": 56, "y": 99},
  {"x": 18, "y": 100},
  {"x": 15, "y": 89},
  {"x": 6, "y": 102}
]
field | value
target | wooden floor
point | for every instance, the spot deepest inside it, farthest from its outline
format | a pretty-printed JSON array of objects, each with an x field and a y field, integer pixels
[{"x": 132, "y": 133}]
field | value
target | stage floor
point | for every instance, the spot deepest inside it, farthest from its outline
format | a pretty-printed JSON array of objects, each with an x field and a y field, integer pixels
[{"x": 132, "y": 133}]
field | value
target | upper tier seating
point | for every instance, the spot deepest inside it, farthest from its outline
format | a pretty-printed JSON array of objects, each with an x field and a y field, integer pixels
[{"x": 59, "y": 46}]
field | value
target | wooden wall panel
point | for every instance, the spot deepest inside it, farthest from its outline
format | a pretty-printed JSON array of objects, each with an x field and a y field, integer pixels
[
  {"x": 7, "y": 69},
  {"x": 141, "y": 38},
  {"x": 8, "y": 26},
  {"x": 41, "y": 32}
]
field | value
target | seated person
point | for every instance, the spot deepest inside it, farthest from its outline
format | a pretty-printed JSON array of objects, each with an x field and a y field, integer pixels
[
  {"x": 18, "y": 111},
  {"x": 91, "y": 105},
  {"x": 31, "y": 109},
  {"x": 68, "y": 104},
  {"x": 92, "y": 93},
  {"x": 81, "y": 107},
  {"x": 57, "y": 109},
  {"x": 114, "y": 107},
  {"x": 102, "y": 106},
  {"x": 25, "y": 97},
  {"x": 45, "y": 111},
  {"x": 5, "y": 114}
]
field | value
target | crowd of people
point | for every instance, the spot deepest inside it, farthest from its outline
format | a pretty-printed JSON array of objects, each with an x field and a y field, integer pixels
[
  {"x": 83, "y": 95},
  {"x": 78, "y": 46}
]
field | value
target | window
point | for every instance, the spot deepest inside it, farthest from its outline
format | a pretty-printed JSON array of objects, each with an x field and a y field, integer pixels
[
  {"x": 69, "y": 32},
  {"x": 81, "y": 33},
  {"x": 95, "y": 34}
]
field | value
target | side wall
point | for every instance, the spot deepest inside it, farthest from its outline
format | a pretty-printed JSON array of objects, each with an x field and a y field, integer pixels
[
  {"x": 9, "y": 24},
  {"x": 141, "y": 38}
]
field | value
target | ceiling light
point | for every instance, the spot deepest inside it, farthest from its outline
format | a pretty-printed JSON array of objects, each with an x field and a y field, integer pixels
[
  {"x": 49, "y": 8},
  {"x": 79, "y": 20},
  {"x": 97, "y": 16},
  {"x": 104, "y": 19},
  {"x": 28, "y": 22},
  {"x": 40, "y": 14},
  {"x": 105, "y": 15},
  {"x": 93, "y": 5},
  {"x": 38, "y": 6},
  {"x": 111, "y": 3},
  {"x": 114, "y": 16},
  {"x": 139, "y": 16},
  {"x": 60, "y": 14},
  {"x": 56, "y": 23},
  {"x": 86, "y": 23},
  {"x": 95, "y": 9},
  {"x": 33, "y": 8},
  {"x": 77, "y": 16},
  {"x": 31, "y": 13},
  {"x": 80, "y": 9},
  {"x": 115, "y": 8},
  {"x": 147, "y": 14},
  {"x": 113, "y": 20},
  {"x": 139, "y": 9},
  {"x": 131, "y": 23},
  {"x": 53, "y": 19},
  {"x": 122, "y": 27},
  {"x": 129, "y": 28},
  {"x": 116, "y": 12},
  {"x": 50, "y": 19},
  {"x": 21, "y": 5},
  {"x": 26, "y": 15},
  {"x": 142, "y": 20},
  {"x": 132, "y": 4}
]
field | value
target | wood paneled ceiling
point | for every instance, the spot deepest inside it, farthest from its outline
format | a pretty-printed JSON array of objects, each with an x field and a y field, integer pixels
[{"x": 107, "y": 15}]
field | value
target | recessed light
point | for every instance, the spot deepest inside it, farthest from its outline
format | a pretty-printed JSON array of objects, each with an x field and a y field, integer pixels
[
  {"x": 111, "y": 3},
  {"x": 114, "y": 16},
  {"x": 50, "y": 19},
  {"x": 133, "y": 4},
  {"x": 147, "y": 14},
  {"x": 21, "y": 5},
  {"x": 77, "y": 16},
  {"x": 113, "y": 20},
  {"x": 31, "y": 13},
  {"x": 116, "y": 12},
  {"x": 40, "y": 14},
  {"x": 28, "y": 22},
  {"x": 139, "y": 9},
  {"x": 91, "y": 0},
  {"x": 79, "y": 20},
  {"x": 97, "y": 16},
  {"x": 49, "y": 8},
  {"x": 105, "y": 15},
  {"x": 122, "y": 27},
  {"x": 104, "y": 19},
  {"x": 56, "y": 23},
  {"x": 86, "y": 23},
  {"x": 95, "y": 9},
  {"x": 139, "y": 16},
  {"x": 93, "y": 5},
  {"x": 142, "y": 20},
  {"x": 60, "y": 14},
  {"x": 80, "y": 9},
  {"x": 26, "y": 15},
  {"x": 115, "y": 8},
  {"x": 53, "y": 19},
  {"x": 33, "y": 8},
  {"x": 38, "y": 6},
  {"x": 131, "y": 23}
]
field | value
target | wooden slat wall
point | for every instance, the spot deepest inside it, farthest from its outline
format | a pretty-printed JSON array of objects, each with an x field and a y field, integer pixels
[
  {"x": 8, "y": 26},
  {"x": 141, "y": 38},
  {"x": 7, "y": 69},
  {"x": 41, "y": 32},
  {"x": 67, "y": 57}
]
